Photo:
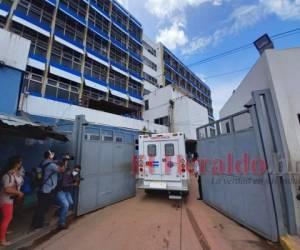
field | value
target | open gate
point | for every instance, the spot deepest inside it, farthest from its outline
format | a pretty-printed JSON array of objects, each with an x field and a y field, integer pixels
[
  {"x": 234, "y": 152},
  {"x": 106, "y": 159}
]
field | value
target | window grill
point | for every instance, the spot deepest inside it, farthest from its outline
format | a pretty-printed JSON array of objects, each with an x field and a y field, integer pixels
[
  {"x": 7, "y": 2},
  {"x": 134, "y": 88},
  {"x": 78, "y": 6},
  {"x": 150, "y": 78},
  {"x": 95, "y": 69},
  {"x": 117, "y": 80},
  {"x": 67, "y": 26},
  {"x": 149, "y": 63},
  {"x": 118, "y": 56},
  {"x": 62, "y": 89},
  {"x": 135, "y": 30},
  {"x": 39, "y": 43},
  {"x": 94, "y": 94},
  {"x": 119, "y": 17},
  {"x": 119, "y": 36},
  {"x": 135, "y": 66},
  {"x": 32, "y": 81},
  {"x": 65, "y": 56},
  {"x": 95, "y": 19},
  {"x": 134, "y": 47},
  {"x": 97, "y": 44},
  {"x": 103, "y": 5},
  {"x": 116, "y": 100},
  {"x": 39, "y": 10}
]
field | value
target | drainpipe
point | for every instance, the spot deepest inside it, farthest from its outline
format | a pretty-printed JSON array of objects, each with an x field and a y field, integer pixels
[{"x": 171, "y": 116}]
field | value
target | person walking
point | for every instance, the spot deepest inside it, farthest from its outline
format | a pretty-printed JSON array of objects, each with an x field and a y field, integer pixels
[
  {"x": 10, "y": 191},
  {"x": 197, "y": 172},
  {"x": 47, "y": 189},
  {"x": 64, "y": 194}
]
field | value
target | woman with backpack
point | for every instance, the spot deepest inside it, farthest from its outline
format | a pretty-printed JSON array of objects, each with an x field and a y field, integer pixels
[{"x": 10, "y": 191}]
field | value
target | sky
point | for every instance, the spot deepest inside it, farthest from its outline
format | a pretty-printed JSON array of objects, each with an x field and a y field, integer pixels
[{"x": 197, "y": 29}]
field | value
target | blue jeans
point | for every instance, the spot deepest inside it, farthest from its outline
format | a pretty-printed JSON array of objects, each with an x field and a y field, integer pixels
[{"x": 65, "y": 201}]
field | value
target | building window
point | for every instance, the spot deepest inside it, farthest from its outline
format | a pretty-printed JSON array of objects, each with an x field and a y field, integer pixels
[
  {"x": 38, "y": 10},
  {"x": 119, "y": 17},
  {"x": 68, "y": 27},
  {"x": 118, "y": 35},
  {"x": 149, "y": 63},
  {"x": 135, "y": 30},
  {"x": 135, "y": 48},
  {"x": 134, "y": 88},
  {"x": 146, "y": 104},
  {"x": 32, "y": 82},
  {"x": 117, "y": 80},
  {"x": 150, "y": 79},
  {"x": 135, "y": 66},
  {"x": 162, "y": 121},
  {"x": 39, "y": 43},
  {"x": 78, "y": 6},
  {"x": 98, "y": 21},
  {"x": 95, "y": 70},
  {"x": 65, "y": 56},
  {"x": 118, "y": 56},
  {"x": 103, "y": 5},
  {"x": 148, "y": 47},
  {"x": 97, "y": 44}
]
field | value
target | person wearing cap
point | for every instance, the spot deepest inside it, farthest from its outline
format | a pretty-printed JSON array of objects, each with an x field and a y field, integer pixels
[{"x": 47, "y": 189}]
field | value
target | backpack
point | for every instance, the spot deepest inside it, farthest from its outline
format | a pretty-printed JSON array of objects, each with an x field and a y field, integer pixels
[{"x": 38, "y": 174}]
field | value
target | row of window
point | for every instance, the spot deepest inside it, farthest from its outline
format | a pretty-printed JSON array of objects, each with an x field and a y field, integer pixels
[
  {"x": 185, "y": 72},
  {"x": 148, "y": 47},
  {"x": 150, "y": 78},
  {"x": 149, "y": 63}
]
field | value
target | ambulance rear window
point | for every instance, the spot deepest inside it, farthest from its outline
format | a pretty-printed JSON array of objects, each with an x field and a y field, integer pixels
[
  {"x": 169, "y": 149},
  {"x": 151, "y": 150}
]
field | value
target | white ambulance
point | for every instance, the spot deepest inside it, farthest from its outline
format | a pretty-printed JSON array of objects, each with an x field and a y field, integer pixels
[{"x": 162, "y": 163}]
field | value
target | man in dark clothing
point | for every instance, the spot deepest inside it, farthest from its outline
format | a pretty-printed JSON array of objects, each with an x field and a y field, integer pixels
[
  {"x": 198, "y": 174},
  {"x": 46, "y": 192},
  {"x": 64, "y": 195}
]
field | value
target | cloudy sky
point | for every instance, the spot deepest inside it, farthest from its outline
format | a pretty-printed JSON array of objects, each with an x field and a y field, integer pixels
[{"x": 197, "y": 29}]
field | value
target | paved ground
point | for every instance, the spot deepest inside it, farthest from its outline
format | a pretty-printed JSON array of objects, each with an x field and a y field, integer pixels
[{"x": 154, "y": 222}]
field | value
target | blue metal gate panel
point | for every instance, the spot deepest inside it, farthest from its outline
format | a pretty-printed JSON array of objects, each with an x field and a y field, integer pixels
[{"x": 245, "y": 198}]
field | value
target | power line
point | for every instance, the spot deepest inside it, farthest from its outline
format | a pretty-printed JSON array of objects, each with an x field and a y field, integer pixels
[{"x": 227, "y": 73}]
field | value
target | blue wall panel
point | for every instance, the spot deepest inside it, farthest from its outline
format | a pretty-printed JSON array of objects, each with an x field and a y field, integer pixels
[{"x": 10, "y": 83}]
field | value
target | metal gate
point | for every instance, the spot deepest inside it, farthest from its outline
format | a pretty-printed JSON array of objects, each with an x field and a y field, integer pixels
[
  {"x": 106, "y": 159},
  {"x": 235, "y": 152}
]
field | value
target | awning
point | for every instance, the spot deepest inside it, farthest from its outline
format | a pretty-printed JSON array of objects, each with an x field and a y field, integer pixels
[
  {"x": 136, "y": 100},
  {"x": 11, "y": 125},
  {"x": 119, "y": 94}
]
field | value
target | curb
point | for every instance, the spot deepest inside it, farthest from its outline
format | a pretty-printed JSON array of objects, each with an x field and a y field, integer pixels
[{"x": 287, "y": 243}]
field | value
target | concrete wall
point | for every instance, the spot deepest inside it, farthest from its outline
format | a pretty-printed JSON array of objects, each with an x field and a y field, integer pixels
[
  {"x": 14, "y": 50},
  {"x": 279, "y": 71},
  {"x": 48, "y": 108},
  {"x": 188, "y": 115},
  {"x": 154, "y": 59},
  {"x": 10, "y": 80}
]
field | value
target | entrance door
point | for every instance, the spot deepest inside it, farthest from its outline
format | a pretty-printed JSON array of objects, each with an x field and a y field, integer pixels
[
  {"x": 170, "y": 161},
  {"x": 153, "y": 169}
]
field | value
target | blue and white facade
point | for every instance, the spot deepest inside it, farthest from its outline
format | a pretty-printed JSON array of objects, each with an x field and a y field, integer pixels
[{"x": 83, "y": 52}]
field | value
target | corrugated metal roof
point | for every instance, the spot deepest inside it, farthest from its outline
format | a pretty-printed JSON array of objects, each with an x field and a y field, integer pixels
[
  {"x": 15, "y": 121},
  {"x": 12, "y": 125}
]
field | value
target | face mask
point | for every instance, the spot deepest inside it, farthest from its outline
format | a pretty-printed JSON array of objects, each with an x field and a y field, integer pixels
[{"x": 74, "y": 173}]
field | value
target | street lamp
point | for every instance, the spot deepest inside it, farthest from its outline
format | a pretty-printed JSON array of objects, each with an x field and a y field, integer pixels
[{"x": 263, "y": 43}]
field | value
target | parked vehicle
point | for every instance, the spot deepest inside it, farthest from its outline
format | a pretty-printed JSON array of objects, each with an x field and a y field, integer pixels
[{"x": 162, "y": 163}]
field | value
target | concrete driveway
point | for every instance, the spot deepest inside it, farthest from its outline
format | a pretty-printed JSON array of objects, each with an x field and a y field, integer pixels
[{"x": 148, "y": 222}]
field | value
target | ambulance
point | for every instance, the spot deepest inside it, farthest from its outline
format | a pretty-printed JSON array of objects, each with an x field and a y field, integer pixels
[{"x": 162, "y": 163}]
